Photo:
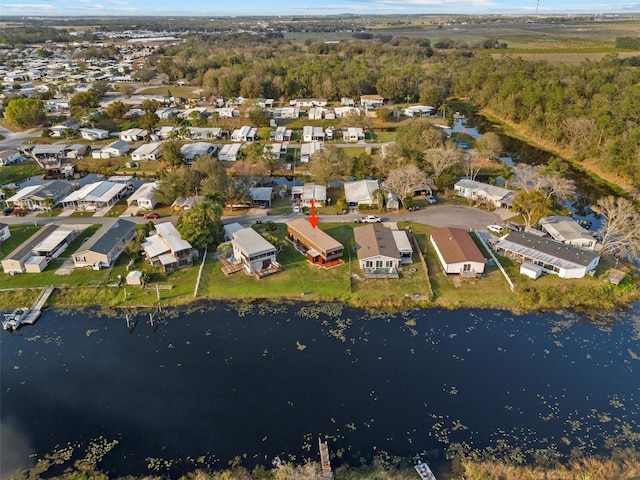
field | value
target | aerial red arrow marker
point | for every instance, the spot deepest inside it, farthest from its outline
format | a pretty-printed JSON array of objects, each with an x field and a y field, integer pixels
[{"x": 313, "y": 220}]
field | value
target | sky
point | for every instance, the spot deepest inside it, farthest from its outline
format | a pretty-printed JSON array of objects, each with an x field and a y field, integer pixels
[{"x": 311, "y": 7}]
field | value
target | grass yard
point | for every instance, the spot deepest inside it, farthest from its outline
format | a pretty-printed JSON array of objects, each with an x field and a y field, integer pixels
[
  {"x": 17, "y": 172},
  {"x": 300, "y": 280},
  {"x": 171, "y": 91},
  {"x": 118, "y": 209},
  {"x": 19, "y": 234}
]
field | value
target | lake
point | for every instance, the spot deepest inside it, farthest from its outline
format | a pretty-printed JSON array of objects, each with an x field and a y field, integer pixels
[{"x": 257, "y": 381}]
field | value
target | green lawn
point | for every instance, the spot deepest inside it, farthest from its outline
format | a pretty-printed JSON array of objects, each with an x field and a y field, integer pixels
[
  {"x": 17, "y": 172},
  {"x": 118, "y": 209},
  {"x": 344, "y": 283},
  {"x": 19, "y": 234}
]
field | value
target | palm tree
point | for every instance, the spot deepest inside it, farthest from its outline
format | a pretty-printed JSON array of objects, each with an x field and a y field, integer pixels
[{"x": 379, "y": 197}]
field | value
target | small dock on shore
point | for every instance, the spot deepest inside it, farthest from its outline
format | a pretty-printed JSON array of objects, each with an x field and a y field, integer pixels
[{"x": 27, "y": 316}]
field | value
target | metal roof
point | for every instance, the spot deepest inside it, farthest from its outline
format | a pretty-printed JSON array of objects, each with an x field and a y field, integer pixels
[
  {"x": 172, "y": 237},
  {"x": 565, "y": 229},
  {"x": 105, "y": 239},
  {"x": 315, "y": 237},
  {"x": 546, "y": 250},
  {"x": 251, "y": 242},
  {"x": 103, "y": 191}
]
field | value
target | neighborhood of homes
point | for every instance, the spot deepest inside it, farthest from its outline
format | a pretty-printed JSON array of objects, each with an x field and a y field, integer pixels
[{"x": 560, "y": 247}]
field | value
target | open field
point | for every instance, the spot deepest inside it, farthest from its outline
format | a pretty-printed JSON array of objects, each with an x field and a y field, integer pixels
[{"x": 183, "y": 92}]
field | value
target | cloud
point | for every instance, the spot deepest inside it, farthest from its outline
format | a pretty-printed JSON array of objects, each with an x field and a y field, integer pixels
[{"x": 22, "y": 6}]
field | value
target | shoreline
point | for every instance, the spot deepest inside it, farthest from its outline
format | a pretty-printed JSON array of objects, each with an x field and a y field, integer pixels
[{"x": 9, "y": 300}]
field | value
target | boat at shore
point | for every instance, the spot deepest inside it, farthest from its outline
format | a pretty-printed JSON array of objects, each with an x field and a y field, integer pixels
[
  {"x": 13, "y": 321},
  {"x": 424, "y": 471}
]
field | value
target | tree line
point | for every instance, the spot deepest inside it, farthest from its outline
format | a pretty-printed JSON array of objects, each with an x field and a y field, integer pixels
[{"x": 590, "y": 108}]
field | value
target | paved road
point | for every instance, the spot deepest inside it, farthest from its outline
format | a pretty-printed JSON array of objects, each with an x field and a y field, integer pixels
[
  {"x": 16, "y": 139},
  {"x": 434, "y": 215}
]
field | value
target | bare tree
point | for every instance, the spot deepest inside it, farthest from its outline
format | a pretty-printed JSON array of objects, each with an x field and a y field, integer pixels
[
  {"x": 620, "y": 231},
  {"x": 471, "y": 164},
  {"x": 537, "y": 179},
  {"x": 526, "y": 177},
  {"x": 442, "y": 159},
  {"x": 489, "y": 146},
  {"x": 390, "y": 158},
  {"x": 402, "y": 182}
]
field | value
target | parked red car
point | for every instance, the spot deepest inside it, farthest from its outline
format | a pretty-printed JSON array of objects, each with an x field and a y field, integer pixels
[{"x": 151, "y": 216}]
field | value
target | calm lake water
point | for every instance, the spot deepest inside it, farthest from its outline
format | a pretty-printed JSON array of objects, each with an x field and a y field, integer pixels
[{"x": 265, "y": 380}]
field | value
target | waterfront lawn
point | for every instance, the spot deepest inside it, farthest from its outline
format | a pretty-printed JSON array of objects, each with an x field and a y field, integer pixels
[
  {"x": 301, "y": 280},
  {"x": 17, "y": 172},
  {"x": 19, "y": 234},
  {"x": 490, "y": 290}
]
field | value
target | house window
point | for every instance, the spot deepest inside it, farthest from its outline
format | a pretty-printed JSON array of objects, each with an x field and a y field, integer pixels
[
  {"x": 378, "y": 263},
  {"x": 389, "y": 264},
  {"x": 466, "y": 267},
  {"x": 368, "y": 263}
]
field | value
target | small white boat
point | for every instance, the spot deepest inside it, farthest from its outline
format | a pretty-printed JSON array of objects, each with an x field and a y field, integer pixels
[
  {"x": 13, "y": 321},
  {"x": 424, "y": 471}
]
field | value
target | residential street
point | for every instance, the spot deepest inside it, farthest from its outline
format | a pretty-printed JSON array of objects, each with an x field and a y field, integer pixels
[{"x": 434, "y": 215}]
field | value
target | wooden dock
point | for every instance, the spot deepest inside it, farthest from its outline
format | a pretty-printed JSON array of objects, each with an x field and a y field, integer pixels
[
  {"x": 34, "y": 312},
  {"x": 324, "y": 460}
]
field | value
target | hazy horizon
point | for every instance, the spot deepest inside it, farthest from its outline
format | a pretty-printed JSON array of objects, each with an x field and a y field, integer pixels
[{"x": 73, "y": 8}]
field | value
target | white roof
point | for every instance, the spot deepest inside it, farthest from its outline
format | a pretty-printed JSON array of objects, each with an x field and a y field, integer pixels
[
  {"x": 313, "y": 191},
  {"x": 230, "y": 149},
  {"x": 96, "y": 192},
  {"x": 145, "y": 192},
  {"x": 146, "y": 149},
  {"x": 22, "y": 193},
  {"x": 171, "y": 237},
  {"x": 310, "y": 148},
  {"x": 564, "y": 229},
  {"x": 402, "y": 241},
  {"x": 231, "y": 228},
  {"x": 251, "y": 242},
  {"x": 167, "y": 258},
  {"x": 58, "y": 236},
  {"x": 191, "y": 150},
  {"x": 154, "y": 246},
  {"x": 360, "y": 191},
  {"x": 134, "y": 132}
]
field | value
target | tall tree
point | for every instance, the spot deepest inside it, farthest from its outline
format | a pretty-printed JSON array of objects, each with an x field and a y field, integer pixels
[
  {"x": 533, "y": 205},
  {"x": 148, "y": 122},
  {"x": 489, "y": 146},
  {"x": 25, "y": 112},
  {"x": 171, "y": 155},
  {"x": 201, "y": 225},
  {"x": 402, "y": 182},
  {"x": 116, "y": 110},
  {"x": 441, "y": 159},
  {"x": 84, "y": 100},
  {"x": 620, "y": 231},
  {"x": 329, "y": 164}
]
